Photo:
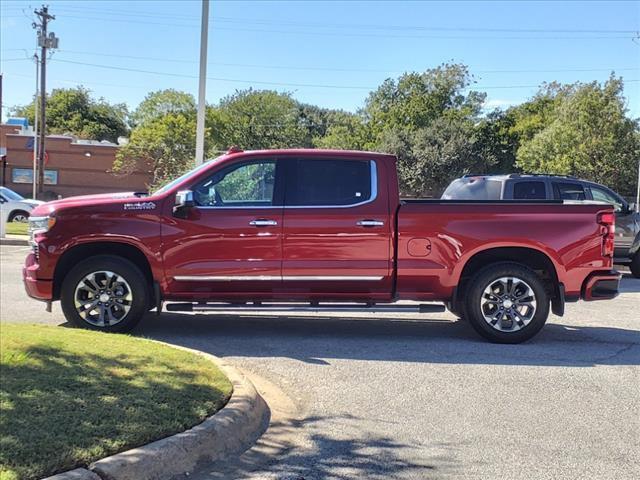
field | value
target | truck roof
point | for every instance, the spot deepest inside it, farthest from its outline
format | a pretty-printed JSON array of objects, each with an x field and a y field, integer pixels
[
  {"x": 505, "y": 176},
  {"x": 315, "y": 152}
]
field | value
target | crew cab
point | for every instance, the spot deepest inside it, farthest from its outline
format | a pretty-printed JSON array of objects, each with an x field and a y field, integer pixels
[{"x": 316, "y": 230}]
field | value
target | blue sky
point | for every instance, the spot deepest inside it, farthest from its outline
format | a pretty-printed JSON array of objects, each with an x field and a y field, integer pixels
[{"x": 326, "y": 53}]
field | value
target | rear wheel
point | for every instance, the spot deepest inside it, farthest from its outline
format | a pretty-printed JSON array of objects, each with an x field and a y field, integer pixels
[
  {"x": 507, "y": 303},
  {"x": 19, "y": 216},
  {"x": 635, "y": 265},
  {"x": 105, "y": 293}
]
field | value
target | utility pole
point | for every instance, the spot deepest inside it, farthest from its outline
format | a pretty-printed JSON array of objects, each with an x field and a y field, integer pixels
[
  {"x": 34, "y": 177},
  {"x": 45, "y": 41},
  {"x": 202, "y": 85}
]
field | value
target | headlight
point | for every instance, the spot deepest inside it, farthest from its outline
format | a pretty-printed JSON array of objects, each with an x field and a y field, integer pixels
[{"x": 40, "y": 225}]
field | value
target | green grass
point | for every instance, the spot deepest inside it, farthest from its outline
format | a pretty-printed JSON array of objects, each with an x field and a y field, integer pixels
[
  {"x": 69, "y": 396},
  {"x": 17, "y": 228}
]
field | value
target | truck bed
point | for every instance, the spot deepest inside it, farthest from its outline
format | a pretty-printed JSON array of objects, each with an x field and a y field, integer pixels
[{"x": 436, "y": 238}]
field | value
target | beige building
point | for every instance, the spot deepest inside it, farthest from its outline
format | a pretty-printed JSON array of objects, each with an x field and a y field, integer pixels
[{"x": 72, "y": 166}]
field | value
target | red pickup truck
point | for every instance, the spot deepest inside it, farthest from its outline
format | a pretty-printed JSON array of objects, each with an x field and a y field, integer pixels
[{"x": 316, "y": 230}]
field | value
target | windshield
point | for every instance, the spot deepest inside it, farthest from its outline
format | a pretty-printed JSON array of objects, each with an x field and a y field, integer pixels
[
  {"x": 11, "y": 195},
  {"x": 191, "y": 172}
]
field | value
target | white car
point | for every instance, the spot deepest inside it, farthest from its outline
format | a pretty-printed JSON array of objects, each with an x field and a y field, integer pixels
[{"x": 14, "y": 207}]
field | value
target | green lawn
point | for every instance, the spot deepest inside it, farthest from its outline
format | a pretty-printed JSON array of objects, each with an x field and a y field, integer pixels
[
  {"x": 17, "y": 228},
  {"x": 69, "y": 396}
]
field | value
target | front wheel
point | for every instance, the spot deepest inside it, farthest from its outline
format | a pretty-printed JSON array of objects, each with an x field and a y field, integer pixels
[
  {"x": 19, "y": 216},
  {"x": 507, "y": 303},
  {"x": 104, "y": 293}
]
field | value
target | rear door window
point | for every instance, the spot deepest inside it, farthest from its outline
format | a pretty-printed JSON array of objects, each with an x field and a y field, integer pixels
[
  {"x": 529, "y": 191},
  {"x": 320, "y": 182},
  {"x": 568, "y": 191},
  {"x": 602, "y": 195}
]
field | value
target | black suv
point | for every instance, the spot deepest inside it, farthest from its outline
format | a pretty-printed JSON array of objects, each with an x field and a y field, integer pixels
[{"x": 557, "y": 187}]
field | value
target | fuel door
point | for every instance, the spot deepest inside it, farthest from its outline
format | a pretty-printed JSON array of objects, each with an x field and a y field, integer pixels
[{"x": 419, "y": 247}]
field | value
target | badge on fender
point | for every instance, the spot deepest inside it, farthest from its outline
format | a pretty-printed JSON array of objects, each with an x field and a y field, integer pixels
[{"x": 140, "y": 206}]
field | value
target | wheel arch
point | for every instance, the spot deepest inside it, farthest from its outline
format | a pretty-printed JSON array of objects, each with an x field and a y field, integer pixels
[
  {"x": 83, "y": 251},
  {"x": 532, "y": 258},
  {"x": 15, "y": 211}
]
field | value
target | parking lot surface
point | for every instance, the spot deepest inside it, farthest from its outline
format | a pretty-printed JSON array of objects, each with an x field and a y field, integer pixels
[{"x": 421, "y": 396}]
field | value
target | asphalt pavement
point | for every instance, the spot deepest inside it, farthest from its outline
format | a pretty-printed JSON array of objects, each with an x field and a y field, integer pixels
[{"x": 418, "y": 396}]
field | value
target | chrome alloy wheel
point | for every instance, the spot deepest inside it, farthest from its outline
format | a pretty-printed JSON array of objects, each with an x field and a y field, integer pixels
[
  {"x": 103, "y": 298},
  {"x": 508, "y": 304}
]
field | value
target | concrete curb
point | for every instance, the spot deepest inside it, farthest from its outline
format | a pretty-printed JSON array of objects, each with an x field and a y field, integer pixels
[
  {"x": 14, "y": 241},
  {"x": 228, "y": 432},
  {"x": 77, "y": 474}
]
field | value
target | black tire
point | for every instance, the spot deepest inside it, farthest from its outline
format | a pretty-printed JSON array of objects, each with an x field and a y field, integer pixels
[
  {"x": 18, "y": 215},
  {"x": 635, "y": 265},
  {"x": 134, "y": 281},
  {"x": 490, "y": 275}
]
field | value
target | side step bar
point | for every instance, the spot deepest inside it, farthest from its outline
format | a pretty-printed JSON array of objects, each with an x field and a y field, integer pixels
[{"x": 304, "y": 307}]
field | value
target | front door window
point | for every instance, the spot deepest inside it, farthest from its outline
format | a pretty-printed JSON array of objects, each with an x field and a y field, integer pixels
[{"x": 246, "y": 185}]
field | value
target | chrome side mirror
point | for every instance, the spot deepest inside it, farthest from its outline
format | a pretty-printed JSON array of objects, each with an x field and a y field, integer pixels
[{"x": 184, "y": 201}]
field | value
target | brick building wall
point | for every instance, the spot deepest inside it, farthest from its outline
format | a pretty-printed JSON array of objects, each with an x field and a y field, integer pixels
[{"x": 72, "y": 167}]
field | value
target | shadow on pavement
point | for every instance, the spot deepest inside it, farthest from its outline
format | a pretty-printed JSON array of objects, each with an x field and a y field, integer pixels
[
  {"x": 317, "y": 340},
  {"x": 629, "y": 284},
  {"x": 372, "y": 456}
]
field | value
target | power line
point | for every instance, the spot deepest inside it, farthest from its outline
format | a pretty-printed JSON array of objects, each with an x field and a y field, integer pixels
[
  {"x": 82, "y": 82},
  {"x": 332, "y": 69},
  {"x": 245, "y": 20},
  {"x": 220, "y": 79},
  {"x": 367, "y": 35},
  {"x": 261, "y": 82},
  {"x": 421, "y": 27}
]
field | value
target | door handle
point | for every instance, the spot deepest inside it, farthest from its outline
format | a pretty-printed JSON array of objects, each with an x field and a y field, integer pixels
[
  {"x": 263, "y": 222},
  {"x": 370, "y": 223}
]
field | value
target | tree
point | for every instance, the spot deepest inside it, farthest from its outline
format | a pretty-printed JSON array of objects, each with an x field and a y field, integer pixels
[
  {"x": 257, "y": 119},
  {"x": 429, "y": 122},
  {"x": 431, "y": 157},
  {"x": 73, "y": 111},
  {"x": 590, "y": 137},
  {"x": 162, "y": 102},
  {"x": 415, "y": 100},
  {"x": 166, "y": 145},
  {"x": 531, "y": 117},
  {"x": 346, "y": 131},
  {"x": 497, "y": 142}
]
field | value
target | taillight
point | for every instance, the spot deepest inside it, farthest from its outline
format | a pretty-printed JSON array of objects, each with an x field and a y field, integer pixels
[{"x": 608, "y": 229}]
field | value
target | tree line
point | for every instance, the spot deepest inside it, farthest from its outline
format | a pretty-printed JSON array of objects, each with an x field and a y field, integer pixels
[{"x": 434, "y": 121}]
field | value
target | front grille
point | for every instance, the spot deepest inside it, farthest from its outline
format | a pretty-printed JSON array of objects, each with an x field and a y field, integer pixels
[{"x": 36, "y": 251}]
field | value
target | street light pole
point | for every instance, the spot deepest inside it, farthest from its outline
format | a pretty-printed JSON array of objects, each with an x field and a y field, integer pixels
[{"x": 202, "y": 86}]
